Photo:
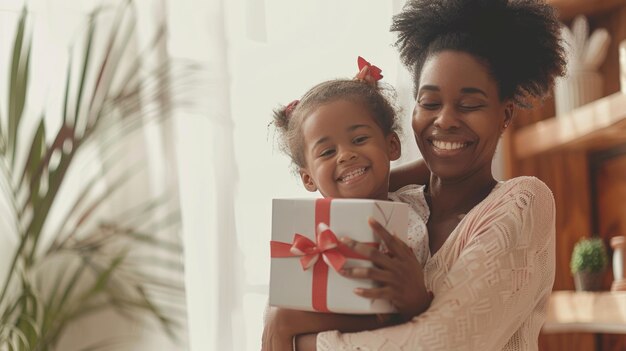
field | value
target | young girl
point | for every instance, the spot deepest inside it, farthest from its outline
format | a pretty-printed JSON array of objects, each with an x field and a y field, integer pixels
[{"x": 342, "y": 136}]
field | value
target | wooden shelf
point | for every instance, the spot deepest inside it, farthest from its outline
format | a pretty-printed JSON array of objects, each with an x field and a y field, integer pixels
[
  {"x": 570, "y": 8},
  {"x": 599, "y": 124},
  {"x": 587, "y": 312}
]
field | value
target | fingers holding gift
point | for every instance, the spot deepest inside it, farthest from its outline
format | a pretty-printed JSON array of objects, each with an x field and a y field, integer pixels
[
  {"x": 385, "y": 292},
  {"x": 395, "y": 246},
  {"x": 399, "y": 273},
  {"x": 408, "y": 303},
  {"x": 376, "y": 274},
  {"x": 370, "y": 252}
]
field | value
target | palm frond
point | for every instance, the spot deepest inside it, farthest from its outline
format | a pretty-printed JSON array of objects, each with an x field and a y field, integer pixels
[
  {"x": 85, "y": 69},
  {"x": 34, "y": 158},
  {"x": 18, "y": 82},
  {"x": 100, "y": 260}
]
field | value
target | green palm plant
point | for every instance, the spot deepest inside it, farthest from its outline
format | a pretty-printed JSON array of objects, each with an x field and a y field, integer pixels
[{"x": 94, "y": 260}]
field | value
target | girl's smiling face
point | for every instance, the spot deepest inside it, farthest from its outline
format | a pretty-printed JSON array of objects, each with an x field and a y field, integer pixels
[
  {"x": 346, "y": 153},
  {"x": 458, "y": 116}
]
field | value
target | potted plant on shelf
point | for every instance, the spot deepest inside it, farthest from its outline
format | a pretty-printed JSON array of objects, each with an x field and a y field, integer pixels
[{"x": 588, "y": 264}]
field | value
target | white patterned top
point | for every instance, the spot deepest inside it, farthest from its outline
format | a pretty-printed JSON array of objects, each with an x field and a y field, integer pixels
[
  {"x": 491, "y": 279},
  {"x": 417, "y": 234}
]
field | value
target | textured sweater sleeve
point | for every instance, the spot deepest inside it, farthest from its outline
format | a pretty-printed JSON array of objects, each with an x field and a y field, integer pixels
[{"x": 493, "y": 284}]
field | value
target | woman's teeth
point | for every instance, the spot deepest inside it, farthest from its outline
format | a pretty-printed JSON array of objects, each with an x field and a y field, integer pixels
[
  {"x": 446, "y": 145},
  {"x": 352, "y": 174}
]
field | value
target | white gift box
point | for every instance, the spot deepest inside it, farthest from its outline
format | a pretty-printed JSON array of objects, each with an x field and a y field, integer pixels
[{"x": 292, "y": 286}]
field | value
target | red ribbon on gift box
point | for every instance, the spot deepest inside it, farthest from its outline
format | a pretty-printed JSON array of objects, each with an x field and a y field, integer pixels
[{"x": 331, "y": 250}]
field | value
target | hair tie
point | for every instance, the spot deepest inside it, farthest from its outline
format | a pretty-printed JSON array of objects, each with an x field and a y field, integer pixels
[
  {"x": 373, "y": 71},
  {"x": 290, "y": 107}
]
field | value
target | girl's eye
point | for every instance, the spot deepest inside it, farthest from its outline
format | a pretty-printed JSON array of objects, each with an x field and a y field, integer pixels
[
  {"x": 360, "y": 139},
  {"x": 327, "y": 152}
]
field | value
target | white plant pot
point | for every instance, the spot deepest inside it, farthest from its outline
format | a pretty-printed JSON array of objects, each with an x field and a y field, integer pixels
[
  {"x": 622, "y": 66},
  {"x": 577, "y": 89}
]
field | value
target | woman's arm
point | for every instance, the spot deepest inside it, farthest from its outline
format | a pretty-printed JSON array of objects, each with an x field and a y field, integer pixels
[
  {"x": 496, "y": 286},
  {"x": 415, "y": 172}
]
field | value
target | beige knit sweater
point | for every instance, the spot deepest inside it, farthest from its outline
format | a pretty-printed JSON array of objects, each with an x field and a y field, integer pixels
[{"x": 491, "y": 279}]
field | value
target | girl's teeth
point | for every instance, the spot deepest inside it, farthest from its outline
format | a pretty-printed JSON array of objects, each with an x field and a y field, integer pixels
[
  {"x": 355, "y": 173},
  {"x": 445, "y": 145}
]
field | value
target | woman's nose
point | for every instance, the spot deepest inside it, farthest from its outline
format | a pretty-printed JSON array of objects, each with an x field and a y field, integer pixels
[{"x": 446, "y": 119}]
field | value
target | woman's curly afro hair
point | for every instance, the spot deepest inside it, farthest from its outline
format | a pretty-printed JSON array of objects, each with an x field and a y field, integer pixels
[{"x": 519, "y": 40}]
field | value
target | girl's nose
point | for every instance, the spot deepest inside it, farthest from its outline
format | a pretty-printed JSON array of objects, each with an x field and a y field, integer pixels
[{"x": 346, "y": 155}]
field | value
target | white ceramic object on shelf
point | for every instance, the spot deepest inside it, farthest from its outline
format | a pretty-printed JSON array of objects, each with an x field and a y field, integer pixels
[
  {"x": 622, "y": 66},
  {"x": 585, "y": 54},
  {"x": 618, "y": 244},
  {"x": 577, "y": 89}
]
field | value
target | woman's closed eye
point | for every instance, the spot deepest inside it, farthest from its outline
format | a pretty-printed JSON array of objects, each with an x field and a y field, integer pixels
[
  {"x": 471, "y": 104},
  {"x": 470, "y": 107},
  {"x": 429, "y": 104}
]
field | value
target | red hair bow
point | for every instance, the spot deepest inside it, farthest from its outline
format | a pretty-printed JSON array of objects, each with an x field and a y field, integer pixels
[{"x": 374, "y": 71}]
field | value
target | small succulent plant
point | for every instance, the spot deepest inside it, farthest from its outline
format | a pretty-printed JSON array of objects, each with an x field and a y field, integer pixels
[{"x": 589, "y": 255}]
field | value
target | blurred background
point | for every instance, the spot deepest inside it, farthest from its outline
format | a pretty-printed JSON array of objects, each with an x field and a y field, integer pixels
[{"x": 139, "y": 163}]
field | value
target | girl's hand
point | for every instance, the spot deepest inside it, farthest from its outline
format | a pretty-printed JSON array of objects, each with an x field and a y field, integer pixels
[{"x": 398, "y": 272}]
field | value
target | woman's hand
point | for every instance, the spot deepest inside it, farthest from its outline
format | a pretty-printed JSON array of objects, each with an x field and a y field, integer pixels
[{"x": 398, "y": 272}]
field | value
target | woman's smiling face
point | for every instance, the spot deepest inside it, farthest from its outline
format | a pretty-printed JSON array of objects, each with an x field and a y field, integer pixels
[{"x": 458, "y": 116}]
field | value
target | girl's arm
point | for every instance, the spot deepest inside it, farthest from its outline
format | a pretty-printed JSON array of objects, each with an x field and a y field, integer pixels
[
  {"x": 282, "y": 325},
  {"x": 415, "y": 172},
  {"x": 306, "y": 342},
  {"x": 295, "y": 322}
]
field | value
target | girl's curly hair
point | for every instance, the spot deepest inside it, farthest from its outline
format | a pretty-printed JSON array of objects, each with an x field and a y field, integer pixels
[
  {"x": 519, "y": 40},
  {"x": 288, "y": 119}
]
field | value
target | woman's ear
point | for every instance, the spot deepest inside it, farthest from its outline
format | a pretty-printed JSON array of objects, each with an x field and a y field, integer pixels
[
  {"x": 394, "y": 147},
  {"x": 307, "y": 180},
  {"x": 509, "y": 111}
]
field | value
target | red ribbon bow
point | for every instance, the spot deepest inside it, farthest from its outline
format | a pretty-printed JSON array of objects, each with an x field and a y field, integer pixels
[
  {"x": 290, "y": 107},
  {"x": 327, "y": 246},
  {"x": 374, "y": 71}
]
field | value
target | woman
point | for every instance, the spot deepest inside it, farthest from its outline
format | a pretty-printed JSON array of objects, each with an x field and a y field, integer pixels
[{"x": 491, "y": 244}]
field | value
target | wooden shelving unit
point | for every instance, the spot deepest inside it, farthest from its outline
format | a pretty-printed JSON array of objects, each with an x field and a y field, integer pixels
[
  {"x": 587, "y": 312},
  {"x": 581, "y": 157},
  {"x": 599, "y": 124}
]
